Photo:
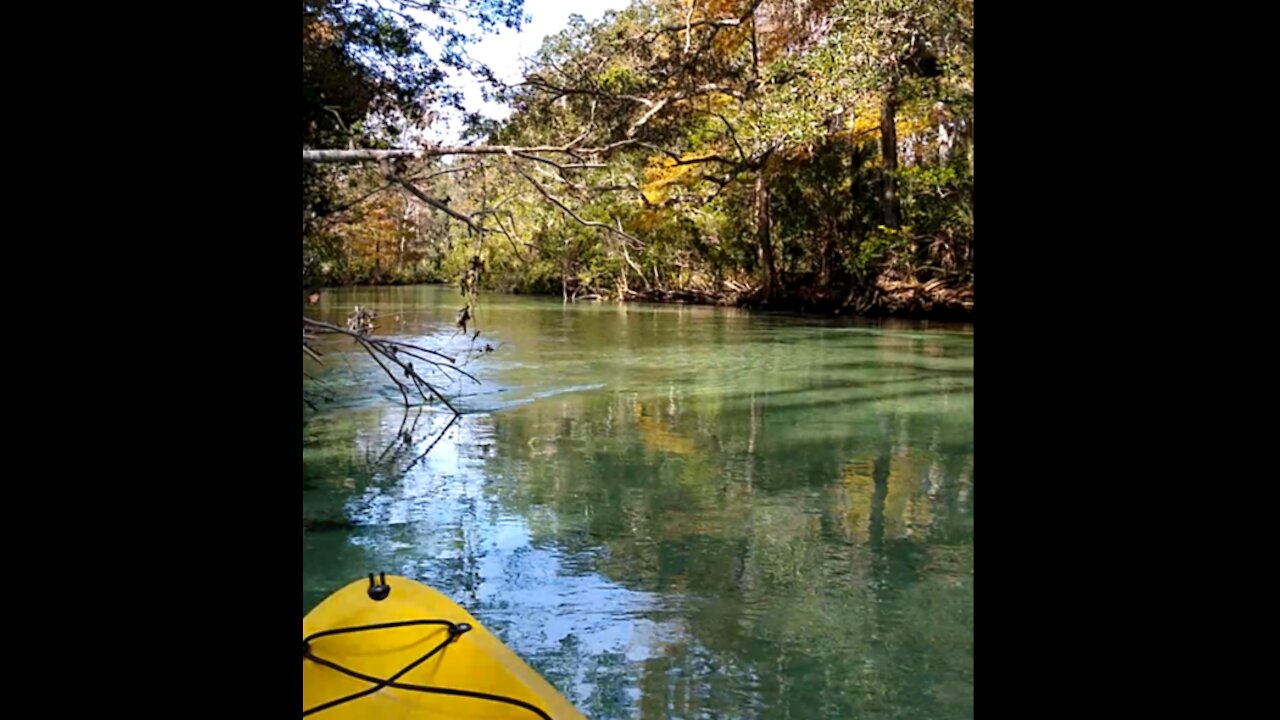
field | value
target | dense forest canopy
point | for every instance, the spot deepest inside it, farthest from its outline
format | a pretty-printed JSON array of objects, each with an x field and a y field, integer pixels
[{"x": 785, "y": 153}]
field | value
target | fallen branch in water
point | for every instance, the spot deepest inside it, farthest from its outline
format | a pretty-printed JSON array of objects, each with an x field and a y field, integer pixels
[{"x": 387, "y": 353}]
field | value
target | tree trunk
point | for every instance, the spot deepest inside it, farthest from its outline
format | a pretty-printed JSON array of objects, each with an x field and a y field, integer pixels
[
  {"x": 968, "y": 141},
  {"x": 969, "y": 133},
  {"x": 763, "y": 237},
  {"x": 825, "y": 255},
  {"x": 889, "y": 153},
  {"x": 404, "y": 234}
]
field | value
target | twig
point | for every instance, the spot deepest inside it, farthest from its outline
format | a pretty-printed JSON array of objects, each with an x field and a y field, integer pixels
[
  {"x": 433, "y": 444},
  {"x": 437, "y": 204},
  {"x": 399, "y": 385},
  {"x": 558, "y": 203},
  {"x": 384, "y": 350},
  {"x": 361, "y": 156}
]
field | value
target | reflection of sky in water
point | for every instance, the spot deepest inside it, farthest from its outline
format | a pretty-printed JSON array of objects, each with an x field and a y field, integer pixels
[{"x": 439, "y": 525}]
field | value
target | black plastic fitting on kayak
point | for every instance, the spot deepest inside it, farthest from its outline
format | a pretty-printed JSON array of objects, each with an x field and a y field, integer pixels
[{"x": 379, "y": 590}]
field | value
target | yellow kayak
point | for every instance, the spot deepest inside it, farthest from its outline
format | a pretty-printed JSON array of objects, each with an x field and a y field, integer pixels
[{"x": 396, "y": 648}]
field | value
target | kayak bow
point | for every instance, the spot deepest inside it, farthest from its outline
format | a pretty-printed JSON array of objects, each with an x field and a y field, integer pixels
[{"x": 399, "y": 649}]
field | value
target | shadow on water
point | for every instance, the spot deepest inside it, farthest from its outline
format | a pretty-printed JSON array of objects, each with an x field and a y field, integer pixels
[{"x": 737, "y": 528}]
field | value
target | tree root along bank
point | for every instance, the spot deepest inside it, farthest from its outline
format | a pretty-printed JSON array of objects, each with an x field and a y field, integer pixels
[{"x": 889, "y": 298}]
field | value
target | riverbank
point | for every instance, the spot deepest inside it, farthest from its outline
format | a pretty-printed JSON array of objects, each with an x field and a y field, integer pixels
[
  {"x": 905, "y": 299},
  {"x": 889, "y": 298}
]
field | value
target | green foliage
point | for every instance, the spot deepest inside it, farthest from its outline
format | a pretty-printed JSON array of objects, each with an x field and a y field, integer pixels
[
  {"x": 937, "y": 199},
  {"x": 881, "y": 245},
  {"x": 717, "y": 95},
  {"x": 366, "y": 79}
]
